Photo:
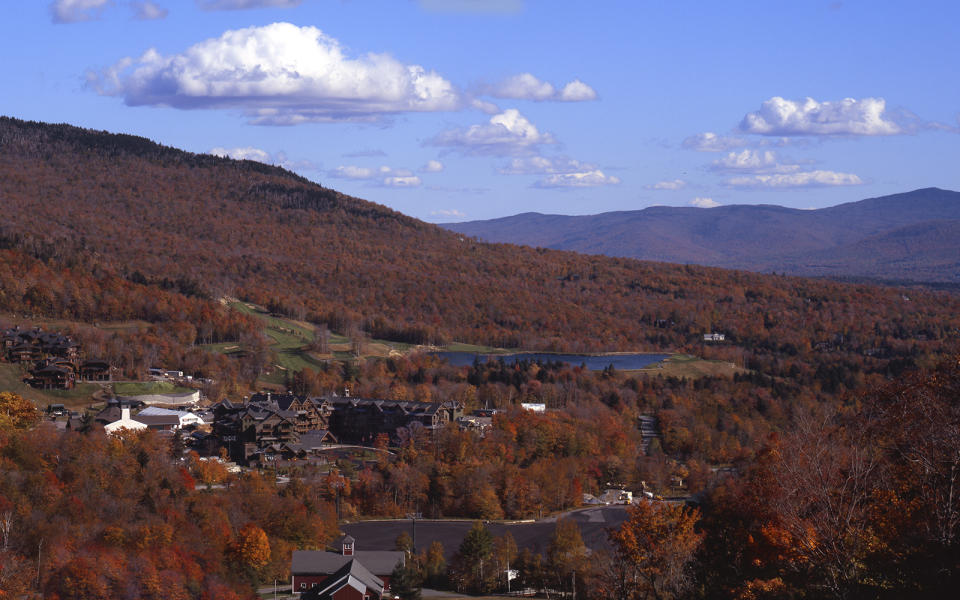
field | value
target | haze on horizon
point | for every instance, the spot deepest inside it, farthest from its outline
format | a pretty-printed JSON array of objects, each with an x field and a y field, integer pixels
[{"x": 455, "y": 110}]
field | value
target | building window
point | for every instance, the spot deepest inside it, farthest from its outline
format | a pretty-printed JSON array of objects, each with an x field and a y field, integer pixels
[{"x": 303, "y": 586}]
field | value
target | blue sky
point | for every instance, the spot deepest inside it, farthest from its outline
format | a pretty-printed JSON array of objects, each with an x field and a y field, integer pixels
[{"x": 452, "y": 110}]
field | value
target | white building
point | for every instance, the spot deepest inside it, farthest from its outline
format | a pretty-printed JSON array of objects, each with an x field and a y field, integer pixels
[{"x": 125, "y": 422}]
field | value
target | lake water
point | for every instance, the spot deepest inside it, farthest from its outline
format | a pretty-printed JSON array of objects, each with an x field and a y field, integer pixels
[{"x": 623, "y": 362}]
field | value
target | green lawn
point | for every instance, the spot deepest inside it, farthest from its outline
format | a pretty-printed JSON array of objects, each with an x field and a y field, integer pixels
[
  {"x": 11, "y": 376},
  {"x": 142, "y": 388},
  {"x": 461, "y": 347}
]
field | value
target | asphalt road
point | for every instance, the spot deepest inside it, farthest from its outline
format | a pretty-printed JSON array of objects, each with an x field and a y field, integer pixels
[{"x": 382, "y": 535}]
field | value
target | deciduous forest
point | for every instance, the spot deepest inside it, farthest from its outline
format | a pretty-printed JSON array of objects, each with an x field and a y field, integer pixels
[{"x": 825, "y": 465}]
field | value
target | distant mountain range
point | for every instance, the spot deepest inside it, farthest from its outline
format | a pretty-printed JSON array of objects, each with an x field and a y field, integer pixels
[{"x": 914, "y": 236}]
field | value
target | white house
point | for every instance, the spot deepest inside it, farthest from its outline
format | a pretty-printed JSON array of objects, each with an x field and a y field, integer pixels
[{"x": 125, "y": 422}]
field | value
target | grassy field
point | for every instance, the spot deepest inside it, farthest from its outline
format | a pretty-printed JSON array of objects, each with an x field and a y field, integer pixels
[
  {"x": 461, "y": 347},
  {"x": 290, "y": 341},
  {"x": 691, "y": 367},
  {"x": 11, "y": 381},
  {"x": 141, "y": 388}
]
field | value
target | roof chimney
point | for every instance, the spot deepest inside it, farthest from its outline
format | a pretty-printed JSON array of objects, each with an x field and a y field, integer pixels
[{"x": 124, "y": 414}]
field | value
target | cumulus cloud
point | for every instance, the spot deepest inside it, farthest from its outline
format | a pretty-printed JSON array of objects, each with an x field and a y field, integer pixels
[
  {"x": 579, "y": 179},
  {"x": 753, "y": 161},
  {"x": 816, "y": 178},
  {"x": 486, "y": 107},
  {"x": 75, "y": 11},
  {"x": 507, "y": 133},
  {"x": 711, "y": 142},
  {"x": 278, "y": 74},
  {"x": 279, "y": 159},
  {"x": 526, "y": 86},
  {"x": 577, "y": 91},
  {"x": 540, "y": 165},
  {"x": 246, "y": 153},
  {"x": 382, "y": 176},
  {"x": 673, "y": 184},
  {"x": 523, "y": 87},
  {"x": 402, "y": 181},
  {"x": 245, "y": 4},
  {"x": 148, "y": 11},
  {"x": 704, "y": 202},
  {"x": 561, "y": 172},
  {"x": 432, "y": 166},
  {"x": 472, "y": 6},
  {"x": 448, "y": 213},
  {"x": 778, "y": 116}
]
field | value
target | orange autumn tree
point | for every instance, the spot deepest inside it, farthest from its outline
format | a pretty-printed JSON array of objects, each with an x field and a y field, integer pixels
[
  {"x": 252, "y": 547},
  {"x": 654, "y": 551},
  {"x": 16, "y": 412}
]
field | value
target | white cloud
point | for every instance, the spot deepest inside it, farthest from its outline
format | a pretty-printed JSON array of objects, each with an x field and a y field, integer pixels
[
  {"x": 352, "y": 172},
  {"x": 245, "y": 4},
  {"x": 278, "y": 74},
  {"x": 540, "y": 165},
  {"x": 711, "y": 142},
  {"x": 793, "y": 180},
  {"x": 486, "y": 107},
  {"x": 753, "y": 161},
  {"x": 577, "y": 91},
  {"x": 432, "y": 166},
  {"x": 507, "y": 133},
  {"x": 246, "y": 153},
  {"x": 472, "y": 6},
  {"x": 526, "y": 86},
  {"x": 279, "y": 159},
  {"x": 673, "y": 184},
  {"x": 383, "y": 176},
  {"x": 523, "y": 87},
  {"x": 148, "y": 11},
  {"x": 75, "y": 11},
  {"x": 402, "y": 181},
  {"x": 561, "y": 172},
  {"x": 448, "y": 212},
  {"x": 778, "y": 116},
  {"x": 704, "y": 202},
  {"x": 580, "y": 179}
]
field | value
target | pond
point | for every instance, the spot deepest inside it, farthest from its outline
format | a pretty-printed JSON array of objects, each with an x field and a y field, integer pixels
[{"x": 594, "y": 362}]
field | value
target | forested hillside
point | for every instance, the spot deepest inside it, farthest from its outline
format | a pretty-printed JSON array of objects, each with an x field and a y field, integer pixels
[{"x": 91, "y": 204}]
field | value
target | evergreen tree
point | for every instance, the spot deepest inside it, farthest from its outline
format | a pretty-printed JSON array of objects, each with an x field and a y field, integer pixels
[{"x": 406, "y": 581}]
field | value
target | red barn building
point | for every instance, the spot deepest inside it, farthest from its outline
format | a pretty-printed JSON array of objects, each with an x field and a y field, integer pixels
[{"x": 321, "y": 571}]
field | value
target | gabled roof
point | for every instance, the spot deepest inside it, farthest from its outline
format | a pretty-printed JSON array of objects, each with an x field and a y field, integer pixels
[
  {"x": 352, "y": 574},
  {"x": 320, "y": 562}
]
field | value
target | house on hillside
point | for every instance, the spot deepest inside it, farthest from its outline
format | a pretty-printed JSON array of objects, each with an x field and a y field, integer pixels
[
  {"x": 328, "y": 573},
  {"x": 95, "y": 370},
  {"x": 53, "y": 376},
  {"x": 714, "y": 337}
]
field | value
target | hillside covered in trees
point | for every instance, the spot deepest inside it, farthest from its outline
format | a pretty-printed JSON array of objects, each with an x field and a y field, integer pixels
[{"x": 82, "y": 208}]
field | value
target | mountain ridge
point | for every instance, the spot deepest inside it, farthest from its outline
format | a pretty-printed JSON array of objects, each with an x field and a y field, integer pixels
[{"x": 762, "y": 237}]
